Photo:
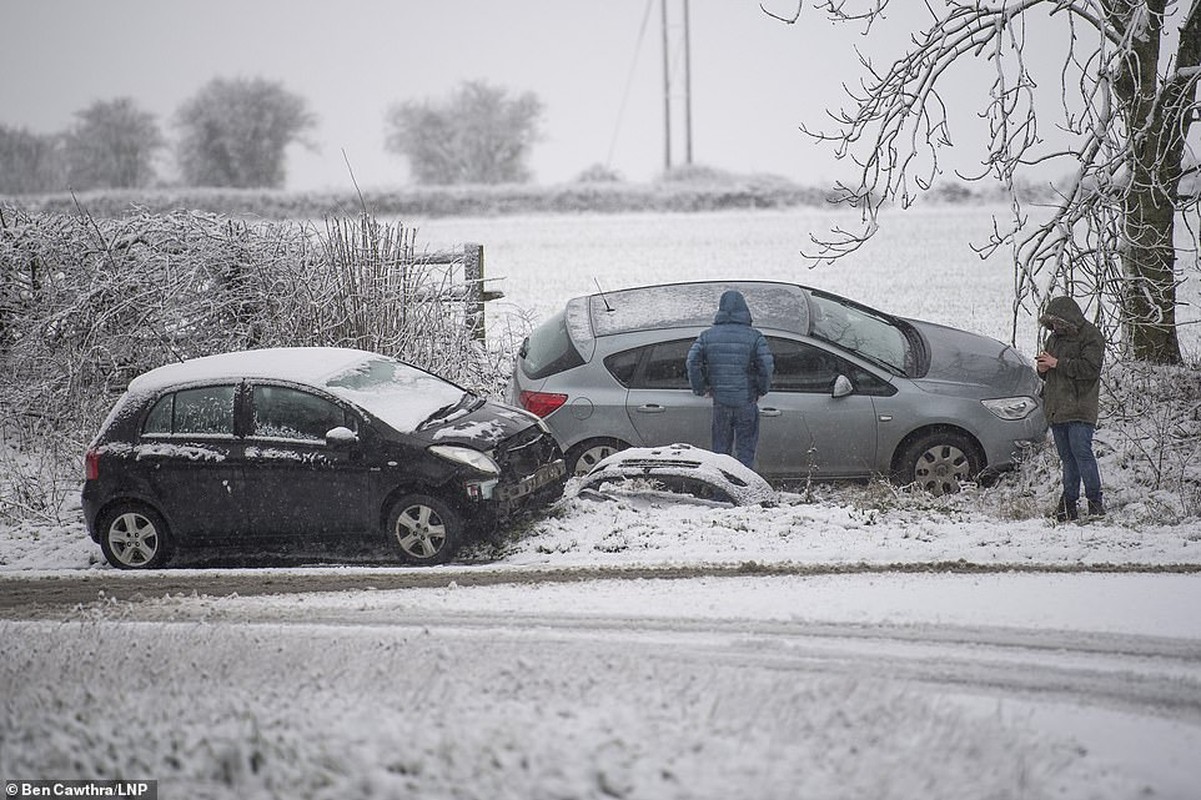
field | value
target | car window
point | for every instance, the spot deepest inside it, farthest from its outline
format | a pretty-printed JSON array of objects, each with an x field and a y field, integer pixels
[
  {"x": 622, "y": 366},
  {"x": 548, "y": 349},
  {"x": 208, "y": 411},
  {"x": 159, "y": 419},
  {"x": 665, "y": 368},
  {"x": 281, "y": 412},
  {"x": 801, "y": 367},
  {"x": 860, "y": 330},
  {"x": 662, "y": 366}
]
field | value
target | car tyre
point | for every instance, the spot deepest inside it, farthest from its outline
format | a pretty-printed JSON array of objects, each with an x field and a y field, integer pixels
[
  {"x": 424, "y": 530},
  {"x": 582, "y": 457},
  {"x": 134, "y": 536},
  {"x": 939, "y": 462}
]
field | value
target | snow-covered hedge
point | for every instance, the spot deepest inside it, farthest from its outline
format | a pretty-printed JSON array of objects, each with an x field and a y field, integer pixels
[
  {"x": 87, "y": 304},
  {"x": 679, "y": 193},
  {"x": 442, "y": 201}
]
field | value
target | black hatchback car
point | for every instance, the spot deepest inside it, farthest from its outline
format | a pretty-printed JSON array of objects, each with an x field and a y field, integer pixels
[{"x": 301, "y": 443}]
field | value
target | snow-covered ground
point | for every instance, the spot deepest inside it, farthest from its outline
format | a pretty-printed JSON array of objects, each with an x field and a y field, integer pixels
[
  {"x": 853, "y": 673},
  {"x": 876, "y": 645},
  {"x": 658, "y": 689}
]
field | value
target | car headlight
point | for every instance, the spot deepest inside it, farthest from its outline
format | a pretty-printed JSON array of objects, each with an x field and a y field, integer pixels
[
  {"x": 1011, "y": 408},
  {"x": 466, "y": 455}
]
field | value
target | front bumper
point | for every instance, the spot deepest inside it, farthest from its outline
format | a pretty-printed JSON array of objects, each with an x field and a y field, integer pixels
[{"x": 1008, "y": 443}]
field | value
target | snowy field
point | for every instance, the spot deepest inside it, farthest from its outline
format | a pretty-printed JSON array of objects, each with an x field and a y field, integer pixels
[
  {"x": 919, "y": 265},
  {"x": 1031, "y": 660}
]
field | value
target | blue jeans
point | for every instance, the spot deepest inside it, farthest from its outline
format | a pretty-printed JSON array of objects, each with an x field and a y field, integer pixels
[
  {"x": 1074, "y": 441},
  {"x": 736, "y": 431}
]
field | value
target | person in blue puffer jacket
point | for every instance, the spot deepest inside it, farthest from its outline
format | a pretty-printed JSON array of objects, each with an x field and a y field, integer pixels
[{"x": 732, "y": 363}]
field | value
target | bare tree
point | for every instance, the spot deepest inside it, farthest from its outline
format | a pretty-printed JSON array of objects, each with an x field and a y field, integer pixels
[
  {"x": 30, "y": 162},
  {"x": 1128, "y": 91},
  {"x": 480, "y": 135},
  {"x": 112, "y": 145},
  {"x": 234, "y": 132}
]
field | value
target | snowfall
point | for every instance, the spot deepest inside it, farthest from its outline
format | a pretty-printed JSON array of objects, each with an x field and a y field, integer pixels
[{"x": 838, "y": 642}]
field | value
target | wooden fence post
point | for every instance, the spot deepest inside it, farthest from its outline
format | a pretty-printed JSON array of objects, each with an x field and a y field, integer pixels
[
  {"x": 473, "y": 280},
  {"x": 473, "y": 277}
]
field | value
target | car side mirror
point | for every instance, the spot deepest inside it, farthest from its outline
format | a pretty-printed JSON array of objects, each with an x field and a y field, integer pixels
[
  {"x": 341, "y": 436},
  {"x": 843, "y": 386}
]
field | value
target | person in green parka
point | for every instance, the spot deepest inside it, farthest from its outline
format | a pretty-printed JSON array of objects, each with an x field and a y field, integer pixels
[{"x": 1070, "y": 366}]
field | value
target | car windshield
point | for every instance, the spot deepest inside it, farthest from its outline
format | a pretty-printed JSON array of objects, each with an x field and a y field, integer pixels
[
  {"x": 549, "y": 349},
  {"x": 402, "y": 396},
  {"x": 857, "y": 329}
]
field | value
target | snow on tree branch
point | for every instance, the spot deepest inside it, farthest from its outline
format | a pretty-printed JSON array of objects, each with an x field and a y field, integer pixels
[{"x": 1115, "y": 149}]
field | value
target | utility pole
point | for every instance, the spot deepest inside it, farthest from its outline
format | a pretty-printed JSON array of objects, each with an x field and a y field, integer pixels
[
  {"x": 667, "y": 96},
  {"x": 687, "y": 90},
  {"x": 666, "y": 92}
]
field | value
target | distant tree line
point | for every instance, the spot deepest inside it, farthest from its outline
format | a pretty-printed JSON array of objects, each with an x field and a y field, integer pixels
[{"x": 233, "y": 133}]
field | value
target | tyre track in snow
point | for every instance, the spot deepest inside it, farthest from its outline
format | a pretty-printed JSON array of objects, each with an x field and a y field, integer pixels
[
  {"x": 1133, "y": 673},
  {"x": 41, "y": 594},
  {"x": 1124, "y": 671},
  {"x": 1143, "y": 675}
]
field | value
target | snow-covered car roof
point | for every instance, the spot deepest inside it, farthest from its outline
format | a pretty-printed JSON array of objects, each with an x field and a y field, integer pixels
[
  {"x": 301, "y": 364},
  {"x": 776, "y": 305},
  {"x": 682, "y": 467},
  {"x": 400, "y": 395}
]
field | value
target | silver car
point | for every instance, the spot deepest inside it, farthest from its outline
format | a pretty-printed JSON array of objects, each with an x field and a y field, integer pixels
[{"x": 856, "y": 392}]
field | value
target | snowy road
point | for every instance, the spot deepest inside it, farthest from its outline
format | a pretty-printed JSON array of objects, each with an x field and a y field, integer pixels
[
  {"x": 45, "y": 592},
  {"x": 878, "y": 685}
]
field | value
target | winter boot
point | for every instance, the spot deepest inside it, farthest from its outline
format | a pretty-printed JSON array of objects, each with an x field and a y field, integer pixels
[
  {"x": 1065, "y": 511},
  {"x": 1096, "y": 508}
]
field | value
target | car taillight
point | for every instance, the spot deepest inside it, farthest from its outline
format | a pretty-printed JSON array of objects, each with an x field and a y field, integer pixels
[
  {"x": 91, "y": 465},
  {"x": 541, "y": 403}
]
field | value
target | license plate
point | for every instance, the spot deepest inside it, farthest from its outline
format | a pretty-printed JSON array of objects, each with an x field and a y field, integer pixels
[{"x": 546, "y": 474}]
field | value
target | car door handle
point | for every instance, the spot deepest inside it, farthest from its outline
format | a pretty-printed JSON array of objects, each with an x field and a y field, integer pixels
[
  {"x": 651, "y": 408},
  {"x": 770, "y": 412}
]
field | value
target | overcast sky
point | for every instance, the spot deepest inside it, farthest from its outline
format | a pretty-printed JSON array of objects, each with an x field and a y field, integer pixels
[{"x": 754, "y": 79}]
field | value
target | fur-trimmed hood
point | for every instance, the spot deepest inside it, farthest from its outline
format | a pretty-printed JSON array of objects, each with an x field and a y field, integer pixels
[{"x": 1063, "y": 315}]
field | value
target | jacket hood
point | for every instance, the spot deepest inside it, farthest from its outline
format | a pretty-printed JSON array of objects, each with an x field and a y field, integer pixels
[
  {"x": 732, "y": 308},
  {"x": 1063, "y": 310}
]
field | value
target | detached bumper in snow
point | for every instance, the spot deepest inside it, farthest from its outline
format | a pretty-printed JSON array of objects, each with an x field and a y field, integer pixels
[{"x": 687, "y": 469}]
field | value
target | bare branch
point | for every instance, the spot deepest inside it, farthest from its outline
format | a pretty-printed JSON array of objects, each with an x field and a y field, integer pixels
[
  {"x": 1121, "y": 137},
  {"x": 787, "y": 20}
]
